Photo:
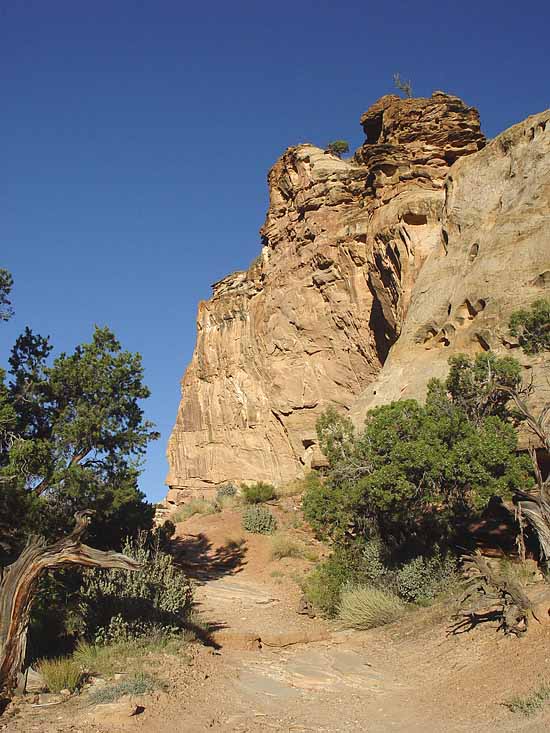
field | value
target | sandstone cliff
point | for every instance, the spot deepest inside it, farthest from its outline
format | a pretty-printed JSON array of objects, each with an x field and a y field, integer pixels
[
  {"x": 313, "y": 319},
  {"x": 493, "y": 257}
]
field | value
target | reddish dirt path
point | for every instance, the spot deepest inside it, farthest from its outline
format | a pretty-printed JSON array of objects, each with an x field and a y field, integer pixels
[{"x": 406, "y": 678}]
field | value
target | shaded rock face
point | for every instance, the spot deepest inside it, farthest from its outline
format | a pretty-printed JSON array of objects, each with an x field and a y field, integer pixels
[
  {"x": 493, "y": 258},
  {"x": 313, "y": 319}
]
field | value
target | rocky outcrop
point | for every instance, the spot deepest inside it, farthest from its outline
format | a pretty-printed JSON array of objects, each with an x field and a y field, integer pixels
[
  {"x": 493, "y": 257},
  {"x": 312, "y": 320}
]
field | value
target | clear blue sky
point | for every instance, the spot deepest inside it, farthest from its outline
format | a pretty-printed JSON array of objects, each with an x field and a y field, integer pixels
[{"x": 136, "y": 136}]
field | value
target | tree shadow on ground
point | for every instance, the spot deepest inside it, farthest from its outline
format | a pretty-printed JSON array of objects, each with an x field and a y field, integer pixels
[{"x": 196, "y": 557}]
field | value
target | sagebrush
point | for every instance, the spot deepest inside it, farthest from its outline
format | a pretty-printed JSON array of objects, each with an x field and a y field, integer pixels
[
  {"x": 259, "y": 520},
  {"x": 118, "y": 605},
  {"x": 140, "y": 683},
  {"x": 225, "y": 490},
  {"x": 422, "y": 579}
]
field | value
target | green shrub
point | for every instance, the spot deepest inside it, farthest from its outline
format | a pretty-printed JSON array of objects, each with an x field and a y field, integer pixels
[
  {"x": 119, "y": 605},
  {"x": 353, "y": 563},
  {"x": 365, "y": 607},
  {"x": 258, "y": 493},
  {"x": 194, "y": 506},
  {"x": 60, "y": 674},
  {"x": 259, "y": 520},
  {"x": 323, "y": 586},
  {"x": 140, "y": 683},
  {"x": 532, "y": 327},
  {"x": 421, "y": 579},
  {"x": 226, "y": 490},
  {"x": 282, "y": 545},
  {"x": 532, "y": 703}
]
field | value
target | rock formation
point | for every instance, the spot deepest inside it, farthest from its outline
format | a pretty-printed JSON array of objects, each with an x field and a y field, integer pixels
[
  {"x": 313, "y": 319},
  {"x": 493, "y": 258}
]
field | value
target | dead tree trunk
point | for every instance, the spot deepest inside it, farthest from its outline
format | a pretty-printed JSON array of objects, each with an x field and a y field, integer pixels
[{"x": 18, "y": 585}]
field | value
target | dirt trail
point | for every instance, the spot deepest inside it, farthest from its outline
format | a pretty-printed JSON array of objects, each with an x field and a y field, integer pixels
[
  {"x": 292, "y": 673},
  {"x": 278, "y": 671}
]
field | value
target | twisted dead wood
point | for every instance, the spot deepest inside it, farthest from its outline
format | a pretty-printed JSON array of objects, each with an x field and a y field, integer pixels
[
  {"x": 18, "y": 583},
  {"x": 491, "y": 596}
]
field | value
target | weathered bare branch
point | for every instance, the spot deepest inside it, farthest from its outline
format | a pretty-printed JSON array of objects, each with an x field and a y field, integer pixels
[{"x": 18, "y": 585}]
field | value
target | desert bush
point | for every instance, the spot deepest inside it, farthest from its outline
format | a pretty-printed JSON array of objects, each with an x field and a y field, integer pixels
[
  {"x": 259, "y": 520},
  {"x": 119, "y": 605},
  {"x": 140, "y": 683},
  {"x": 226, "y": 490},
  {"x": 532, "y": 326},
  {"x": 422, "y": 579},
  {"x": 194, "y": 506},
  {"x": 365, "y": 607},
  {"x": 282, "y": 545},
  {"x": 59, "y": 674},
  {"x": 258, "y": 493}
]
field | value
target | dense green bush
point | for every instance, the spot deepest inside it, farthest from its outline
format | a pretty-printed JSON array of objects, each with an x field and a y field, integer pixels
[
  {"x": 532, "y": 326},
  {"x": 259, "y": 520},
  {"x": 366, "y": 607},
  {"x": 118, "y": 605},
  {"x": 258, "y": 493},
  {"x": 417, "y": 472}
]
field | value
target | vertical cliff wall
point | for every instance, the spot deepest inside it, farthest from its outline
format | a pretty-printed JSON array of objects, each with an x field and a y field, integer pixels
[
  {"x": 312, "y": 320},
  {"x": 493, "y": 258}
]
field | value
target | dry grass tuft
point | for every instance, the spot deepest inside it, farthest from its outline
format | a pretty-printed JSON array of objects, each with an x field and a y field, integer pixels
[
  {"x": 283, "y": 545},
  {"x": 194, "y": 506},
  {"x": 365, "y": 607},
  {"x": 59, "y": 674}
]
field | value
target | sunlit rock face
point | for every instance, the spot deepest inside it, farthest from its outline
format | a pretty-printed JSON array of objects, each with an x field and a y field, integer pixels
[
  {"x": 312, "y": 320},
  {"x": 492, "y": 258}
]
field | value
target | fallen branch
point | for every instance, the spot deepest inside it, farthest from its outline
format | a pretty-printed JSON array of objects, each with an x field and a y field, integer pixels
[{"x": 490, "y": 596}]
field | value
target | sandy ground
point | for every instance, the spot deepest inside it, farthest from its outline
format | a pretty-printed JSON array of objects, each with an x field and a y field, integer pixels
[{"x": 277, "y": 670}]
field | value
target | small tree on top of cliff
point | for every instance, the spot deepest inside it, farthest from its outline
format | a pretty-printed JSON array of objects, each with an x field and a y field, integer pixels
[
  {"x": 337, "y": 148},
  {"x": 403, "y": 85}
]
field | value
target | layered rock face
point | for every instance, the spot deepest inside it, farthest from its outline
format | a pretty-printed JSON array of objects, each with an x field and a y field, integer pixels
[
  {"x": 493, "y": 258},
  {"x": 312, "y": 320}
]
